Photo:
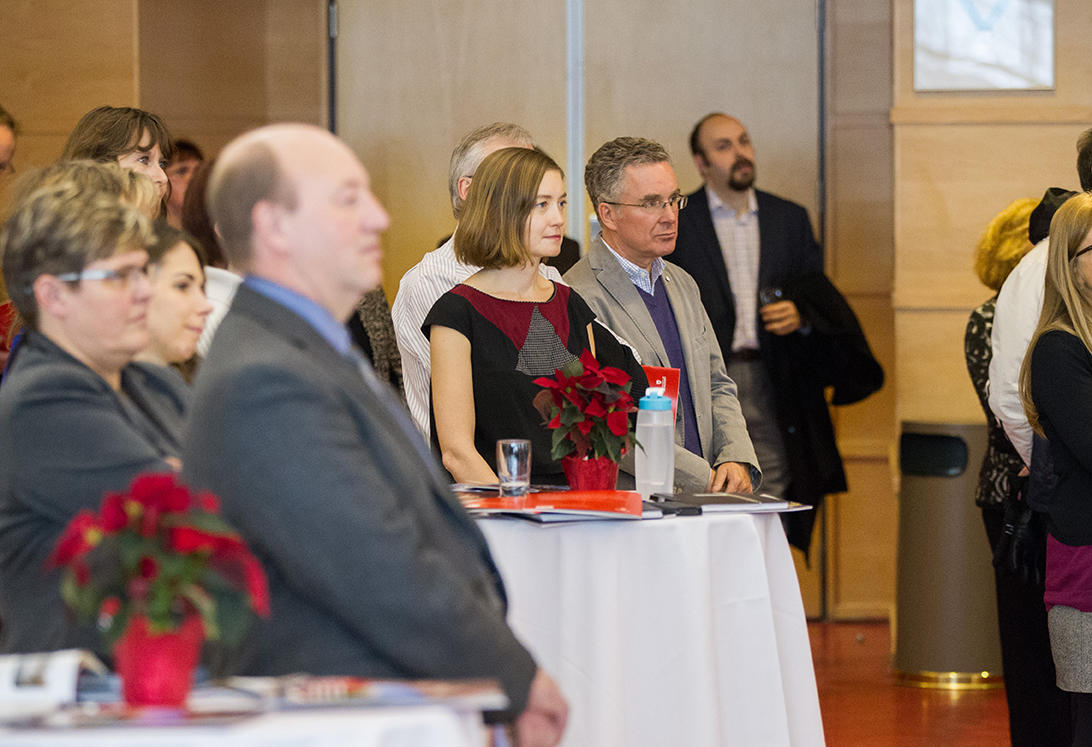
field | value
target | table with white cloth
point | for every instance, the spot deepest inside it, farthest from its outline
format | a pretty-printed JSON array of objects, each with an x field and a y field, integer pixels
[
  {"x": 312, "y": 727},
  {"x": 676, "y": 631}
]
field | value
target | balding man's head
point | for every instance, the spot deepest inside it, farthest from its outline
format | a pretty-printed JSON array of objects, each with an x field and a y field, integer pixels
[
  {"x": 246, "y": 173},
  {"x": 294, "y": 205}
]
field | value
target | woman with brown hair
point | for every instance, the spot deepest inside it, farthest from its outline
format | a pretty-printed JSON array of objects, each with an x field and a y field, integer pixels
[
  {"x": 132, "y": 138},
  {"x": 506, "y": 325},
  {"x": 178, "y": 307}
]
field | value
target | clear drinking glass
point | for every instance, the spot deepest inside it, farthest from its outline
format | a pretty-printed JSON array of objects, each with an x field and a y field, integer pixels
[{"x": 514, "y": 465}]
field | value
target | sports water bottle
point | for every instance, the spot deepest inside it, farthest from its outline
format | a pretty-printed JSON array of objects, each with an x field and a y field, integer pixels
[{"x": 655, "y": 457}]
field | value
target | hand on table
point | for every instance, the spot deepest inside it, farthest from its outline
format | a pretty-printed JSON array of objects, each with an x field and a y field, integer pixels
[
  {"x": 543, "y": 720},
  {"x": 730, "y": 477},
  {"x": 781, "y": 317}
]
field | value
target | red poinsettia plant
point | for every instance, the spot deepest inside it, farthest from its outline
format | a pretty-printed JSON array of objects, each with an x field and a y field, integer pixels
[
  {"x": 162, "y": 552},
  {"x": 587, "y": 406}
]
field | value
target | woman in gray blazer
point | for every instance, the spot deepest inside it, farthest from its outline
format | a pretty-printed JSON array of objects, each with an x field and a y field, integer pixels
[{"x": 77, "y": 417}]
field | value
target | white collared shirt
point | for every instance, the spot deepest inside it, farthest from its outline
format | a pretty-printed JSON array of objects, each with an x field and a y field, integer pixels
[
  {"x": 220, "y": 287},
  {"x": 642, "y": 278},
  {"x": 1014, "y": 320},
  {"x": 422, "y": 285}
]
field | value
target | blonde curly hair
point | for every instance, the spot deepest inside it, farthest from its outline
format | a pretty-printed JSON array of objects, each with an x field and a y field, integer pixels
[{"x": 1004, "y": 242}]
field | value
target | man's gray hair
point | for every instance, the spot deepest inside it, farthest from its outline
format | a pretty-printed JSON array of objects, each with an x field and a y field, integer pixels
[
  {"x": 470, "y": 152},
  {"x": 606, "y": 168}
]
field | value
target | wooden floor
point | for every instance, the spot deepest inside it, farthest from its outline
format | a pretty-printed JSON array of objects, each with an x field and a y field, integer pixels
[{"x": 863, "y": 705}]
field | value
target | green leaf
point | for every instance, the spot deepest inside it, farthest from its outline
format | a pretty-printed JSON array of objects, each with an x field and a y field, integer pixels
[
  {"x": 206, "y": 522},
  {"x": 206, "y": 607},
  {"x": 570, "y": 416},
  {"x": 573, "y": 368}
]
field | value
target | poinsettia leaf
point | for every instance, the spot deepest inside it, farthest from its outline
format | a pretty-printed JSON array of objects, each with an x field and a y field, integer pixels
[
  {"x": 172, "y": 565},
  {"x": 233, "y": 614},
  {"x": 84, "y": 599},
  {"x": 560, "y": 445},
  {"x": 588, "y": 361},
  {"x": 117, "y": 626},
  {"x": 614, "y": 449},
  {"x": 200, "y": 520},
  {"x": 572, "y": 369},
  {"x": 206, "y": 606},
  {"x": 544, "y": 404},
  {"x": 570, "y": 416},
  {"x": 131, "y": 548}
]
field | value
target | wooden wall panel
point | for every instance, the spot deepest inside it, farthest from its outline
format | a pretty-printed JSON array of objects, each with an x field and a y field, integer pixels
[
  {"x": 203, "y": 67},
  {"x": 861, "y": 525},
  {"x": 758, "y": 62},
  {"x": 60, "y": 59},
  {"x": 959, "y": 159},
  {"x": 296, "y": 71},
  {"x": 953, "y": 179},
  {"x": 413, "y": 78},
  {"x": 862, "y": 537}
]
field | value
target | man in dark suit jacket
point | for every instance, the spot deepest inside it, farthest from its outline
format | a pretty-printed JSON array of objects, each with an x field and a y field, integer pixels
[
  {"x": 759, "y": 271},
  {"x": 374, "y": 567}
]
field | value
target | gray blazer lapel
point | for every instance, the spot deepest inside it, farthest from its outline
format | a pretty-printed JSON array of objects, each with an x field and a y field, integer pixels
[
  {"x": 618, "y": 285},
  {"x": 695, "y": 345}
]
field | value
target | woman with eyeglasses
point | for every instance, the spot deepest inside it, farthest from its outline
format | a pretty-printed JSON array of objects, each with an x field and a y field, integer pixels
[
  {"x": 1056, "y": 389},
  {"x": 86, "y": 176},
  {"x": 78, "y": 417},
  {"x": 491, "y": 336},
  {"x": 134, "y": 139}
]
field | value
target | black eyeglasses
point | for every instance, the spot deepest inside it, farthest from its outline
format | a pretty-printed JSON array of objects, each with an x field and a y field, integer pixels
[
  {"x": 674, "y": 202},
  {"x": 1082, "y": 251}
]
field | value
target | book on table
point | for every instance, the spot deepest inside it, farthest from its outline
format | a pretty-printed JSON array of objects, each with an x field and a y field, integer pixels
[
  {"x": 313, "y": 691},
  {"x": 759, "y": 503}
]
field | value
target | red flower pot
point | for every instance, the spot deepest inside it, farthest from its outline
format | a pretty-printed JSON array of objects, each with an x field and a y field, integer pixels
[
  {"x": 598, "y": 473},
  {"x": 157, "y": 668}
]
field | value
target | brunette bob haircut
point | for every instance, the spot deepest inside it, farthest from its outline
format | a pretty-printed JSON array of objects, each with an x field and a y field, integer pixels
[
  {"x": 494, "y": 218},
  {"x": 107, "y": 132}
]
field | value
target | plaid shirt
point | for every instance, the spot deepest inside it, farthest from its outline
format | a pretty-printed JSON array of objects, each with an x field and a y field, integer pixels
[{"x": 739, "y": 243}]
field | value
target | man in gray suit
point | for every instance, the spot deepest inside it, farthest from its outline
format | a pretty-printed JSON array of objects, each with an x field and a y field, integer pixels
[
  {"x": 374, "y": 567},
  {"x": 655, "y": 307}
]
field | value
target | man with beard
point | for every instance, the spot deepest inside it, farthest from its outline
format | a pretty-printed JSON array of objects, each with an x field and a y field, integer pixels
[{"x": 777, "y": 318}]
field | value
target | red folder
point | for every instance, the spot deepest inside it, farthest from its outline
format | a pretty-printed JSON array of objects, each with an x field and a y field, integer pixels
[
  {"x": 560, "y": 506},
  {"x": 668, "y": 378}
]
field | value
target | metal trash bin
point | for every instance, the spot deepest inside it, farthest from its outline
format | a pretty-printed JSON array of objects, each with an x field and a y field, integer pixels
[{"x": 945, "y": 628}]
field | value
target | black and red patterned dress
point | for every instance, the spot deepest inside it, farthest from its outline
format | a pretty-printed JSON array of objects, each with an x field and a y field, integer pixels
[{"x": 511, "y": 344}]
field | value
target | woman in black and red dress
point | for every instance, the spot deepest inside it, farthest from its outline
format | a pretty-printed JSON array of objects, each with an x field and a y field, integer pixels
[{"x": 506, "y": 325}]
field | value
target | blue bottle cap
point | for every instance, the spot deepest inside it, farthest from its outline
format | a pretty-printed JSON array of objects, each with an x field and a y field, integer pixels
[{"x": 654, "y": 399}]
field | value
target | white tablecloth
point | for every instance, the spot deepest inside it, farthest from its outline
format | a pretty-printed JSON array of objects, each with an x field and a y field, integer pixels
[
  {"x": 330, "y": 727},
  {"x": 678, "y": 631}
]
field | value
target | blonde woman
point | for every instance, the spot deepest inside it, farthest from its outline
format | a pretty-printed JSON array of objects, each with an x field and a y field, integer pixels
[
  {"x": 86, "y": 177},
  {"x": 1038, "y": 710},
  {"x": 1056, "y": 389},
  {"x": 77, "y": 416}
]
